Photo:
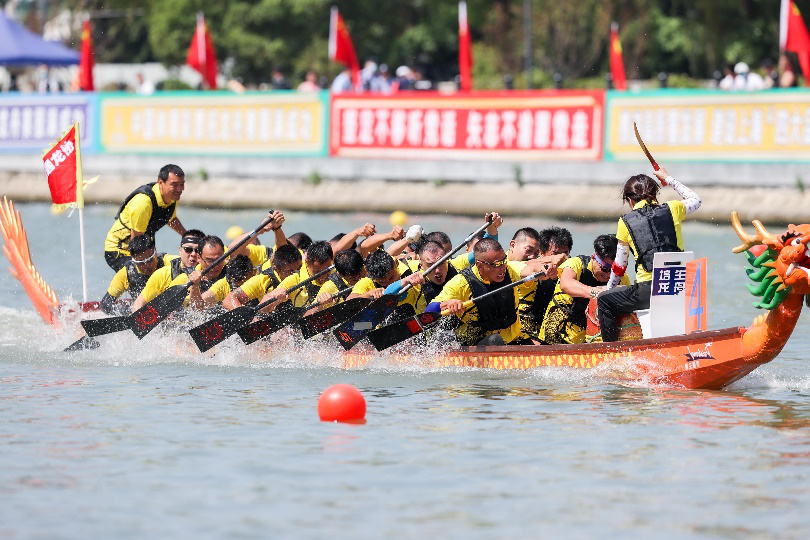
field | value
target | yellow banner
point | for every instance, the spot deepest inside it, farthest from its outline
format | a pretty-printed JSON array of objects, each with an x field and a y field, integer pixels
[
  {"x": 712, "y": 126},
  {"x": 281, "y": 123}
]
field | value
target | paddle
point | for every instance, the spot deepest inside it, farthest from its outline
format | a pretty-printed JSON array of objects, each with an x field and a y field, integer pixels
[
  {"x": 352, "y": 331},
  {"x": 390, "y": 335},
  {"x": 324, "y": 320},
  {"x": 218, "y": 329},
  {"x": 150, "y": 315},
  {"x": 108, "y": 325},
  {"x": 84, "y": 342},
  {"x": 277, "y": 320}
]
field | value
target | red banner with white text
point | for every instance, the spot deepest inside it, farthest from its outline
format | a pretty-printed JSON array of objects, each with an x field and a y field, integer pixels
[{"x": 540, "y": 125}]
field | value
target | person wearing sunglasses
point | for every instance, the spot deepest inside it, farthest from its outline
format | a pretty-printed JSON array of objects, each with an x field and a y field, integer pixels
[
  {"x": 581, "y": 279},
  {"x": 133, "y": 276},
  {"x": 494, "y": 320}
]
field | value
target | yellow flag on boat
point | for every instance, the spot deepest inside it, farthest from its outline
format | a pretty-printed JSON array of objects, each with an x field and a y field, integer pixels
[{"x": 63, "y": 168}]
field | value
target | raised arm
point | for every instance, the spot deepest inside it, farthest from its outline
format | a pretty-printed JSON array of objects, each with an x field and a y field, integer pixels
[{"x": 690, "y": 198}]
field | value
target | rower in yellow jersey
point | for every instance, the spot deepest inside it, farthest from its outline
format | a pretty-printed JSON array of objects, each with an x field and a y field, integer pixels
[{"x": 287, "y": 260}]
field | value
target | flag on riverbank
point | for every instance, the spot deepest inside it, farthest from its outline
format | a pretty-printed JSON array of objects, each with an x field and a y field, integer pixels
[
  {"x": 201, "y": 55},
  {"x": 86, "y": 61},
  {"x": 465, "y": 57},
  {"x": 63, "y": 168},
  {"x": 793, "y": 36},
  {"x": 341, "y": 48},
  {"x": 616, "y": 60}
]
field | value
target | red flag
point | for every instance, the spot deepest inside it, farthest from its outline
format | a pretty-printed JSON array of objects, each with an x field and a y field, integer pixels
[
  {"x": 201, "y": 54},
  {"x": 793, "y": 36},
  {"x": 63, "y": 167},
  {"x": 86, "y": 59},
  {"x": 341, "y": 48},
  {"x": 465, "y": 58},
  {"x": 616, "y": 60}
]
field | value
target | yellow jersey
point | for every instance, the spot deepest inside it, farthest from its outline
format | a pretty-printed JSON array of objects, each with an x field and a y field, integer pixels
[
  {"x": 135, "y": 216},
  {"x": 678, "y": 211}
]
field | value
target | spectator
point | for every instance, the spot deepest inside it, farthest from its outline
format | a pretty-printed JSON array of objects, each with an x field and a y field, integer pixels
[
  {"x": 745, "y": 81},
  {"x": 343, "y": 82},
  {"x": 787, "y": 79},
  {"x": 279, "y": 81},
  {"x": 382, "y": 82},
  {"x": 310, "y": 83},
  {"x": 727, "y": 83},
  {"x": 402, "y": 80},
  {"x": 145, "y": 87},
  {"x": 771, "y": 74}
]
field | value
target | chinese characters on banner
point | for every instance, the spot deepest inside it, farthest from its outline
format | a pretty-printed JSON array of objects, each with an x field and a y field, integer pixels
[
  {"x": 516, "y": 125},
  {"x": 32, "y": 122},
  {"x": 63, "y": 167},
  {"x": 765, "y": 126},
  {"x": 271, "y": 124}
]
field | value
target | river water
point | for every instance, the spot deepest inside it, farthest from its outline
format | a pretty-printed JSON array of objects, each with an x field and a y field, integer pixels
[{"x": 150, "y": 440}]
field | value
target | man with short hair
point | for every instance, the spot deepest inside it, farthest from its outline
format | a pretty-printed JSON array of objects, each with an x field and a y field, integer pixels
[
  {"x": 286, "y": 261},
  {"x": 581, "y": 278},
  {"x": 494, "y": 320},
  {"x": 385, "y": 276},
  {"x": 349, "y": 269},
  {"x": 145, "y": 211},
  {"x": 133, "y": 276},
  {"x": 317, "y": 259},
  {"x": 237, "y": 271}
]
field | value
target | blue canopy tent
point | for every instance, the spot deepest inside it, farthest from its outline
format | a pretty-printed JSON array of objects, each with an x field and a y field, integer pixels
[{"x": 19, "y": 47}]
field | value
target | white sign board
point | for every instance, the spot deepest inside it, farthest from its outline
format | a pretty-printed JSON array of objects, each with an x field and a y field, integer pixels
[{"x": 668, "y": 296}]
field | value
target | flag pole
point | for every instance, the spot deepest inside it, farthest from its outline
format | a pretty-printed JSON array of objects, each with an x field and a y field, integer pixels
[{"x": 81, "y": 247}]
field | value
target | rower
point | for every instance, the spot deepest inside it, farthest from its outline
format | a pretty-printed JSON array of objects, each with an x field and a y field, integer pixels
[
  {"x": 300, "y": 240},
  {"x": 211, "y": 248},
  {"x": 553, "y": 246},
  {"x": 286, "y": 261},
  {"x": 145, "y": 211},
  {"x": 349, "y": 269},
  {"x": 132, "y": 277},
  {"x": 581, "y": 278},
  {"x": 385, "y": 276},
  {"x": 649, "y": 228},
  {"x": 495, "y": 321},
  {"x": 257, "y": 253},
  {"x": 317, "y": 259},
  {"x": 238, "y": 270}
]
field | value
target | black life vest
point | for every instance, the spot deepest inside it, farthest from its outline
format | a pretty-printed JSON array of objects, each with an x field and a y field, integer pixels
[
  {"x": 542, "y": 298},
  {"x": 270, "y": 273},
  {"x": 653, "y": 231},
  {"x": 577, "y": 310},
  {"x": 159, "y": 218},
  {"x": 137, "y": 281},
  {"x": 496, "y": 312},
  {"x": 340, "y": 284},
  {"x": 178, "y": 268},
  {"x": 431, "y": 290}
]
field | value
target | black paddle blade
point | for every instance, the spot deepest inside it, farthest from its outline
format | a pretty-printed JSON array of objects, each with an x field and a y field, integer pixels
[
  {"x": 266, "y": 326},
  {"x": 220, "y": 328},
  {"x": 149, "y": 316},
  {"x": 83, "y": 343},
  {"x": 326, "y": 319},
  {"x": 99, "y": 327},
  {"x": 351, "y": 332},
  {"x": 390, "y": 335}
]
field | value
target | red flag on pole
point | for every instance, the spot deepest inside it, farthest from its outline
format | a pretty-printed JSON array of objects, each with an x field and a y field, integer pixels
[
  {"x": 86, "y": 59},
  {"x": 793, "y": 36},
  {"x": 341, "y": 48},
  {"x": 63, "y": 167},
  {"x": 465, "y": 58},
  {"x": 201, "y": 55},
  {"x": 616, "y": 60}
]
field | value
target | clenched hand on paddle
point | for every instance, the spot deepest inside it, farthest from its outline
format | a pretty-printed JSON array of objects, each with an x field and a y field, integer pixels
[
  {"x": 390, "y": 335},
  {"x": 150, "y": 315}
]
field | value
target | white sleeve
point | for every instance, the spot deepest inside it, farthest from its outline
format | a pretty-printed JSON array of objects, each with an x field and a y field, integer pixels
[
  {"x": 690, "y": 198},
  {"x": 621, "y": 260}
]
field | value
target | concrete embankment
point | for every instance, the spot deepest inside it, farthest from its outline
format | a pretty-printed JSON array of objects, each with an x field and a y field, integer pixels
[{"x": 576, "y": 191}]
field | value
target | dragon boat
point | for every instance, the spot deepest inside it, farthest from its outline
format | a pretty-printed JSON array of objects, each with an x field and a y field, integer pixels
[{"x": 712, "y": 359}]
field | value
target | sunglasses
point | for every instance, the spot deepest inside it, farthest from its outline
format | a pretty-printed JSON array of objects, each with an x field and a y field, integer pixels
[
  {"x": 496, "y": 264},
  {"x": 191, "y": 249},
  {"x": 605, "y": 267},
  {"x": 143, "y": 261}
]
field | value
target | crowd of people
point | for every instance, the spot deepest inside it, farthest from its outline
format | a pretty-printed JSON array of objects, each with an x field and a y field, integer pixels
[
  {"x": 420, "y": 269},
  {"x": 739, "y": 77}
]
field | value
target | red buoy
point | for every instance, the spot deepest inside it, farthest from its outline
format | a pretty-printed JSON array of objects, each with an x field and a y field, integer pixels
[{"x": 341, "y": 403}]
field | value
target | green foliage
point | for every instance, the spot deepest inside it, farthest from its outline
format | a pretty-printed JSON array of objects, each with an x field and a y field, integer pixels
[
  {"x": 692, "y": 38},
  {"x": 175, "y": 84}
]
